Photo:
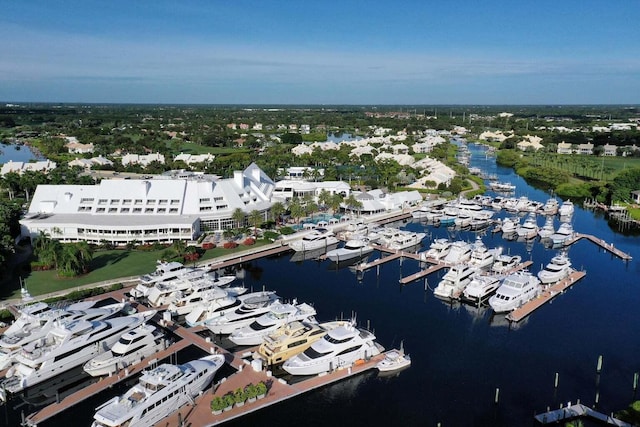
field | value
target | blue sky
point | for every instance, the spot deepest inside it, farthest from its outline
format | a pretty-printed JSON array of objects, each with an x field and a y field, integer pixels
[{"x": 321, "y": 52}]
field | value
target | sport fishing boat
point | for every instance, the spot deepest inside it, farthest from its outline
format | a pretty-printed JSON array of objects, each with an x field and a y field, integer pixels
[
  {"x": 66, "y": 347},
  {"x": 460, "y": 251},
  {"x": 557, "y": 269},
  {"x": 247, "y": 312},
  {"x": 438, "y": 249},
  {"x": 159, "y": 393},
  {"x": 131, "y": 348},
  {"x": 454, "y": 281},
  {"x": 504, "y": 263},
  {"x": 339, "y": 348},
  {"x": 481, "y": 288},
  {"x": 354, "y": 248},
  {"x": 394, "y": 360}
]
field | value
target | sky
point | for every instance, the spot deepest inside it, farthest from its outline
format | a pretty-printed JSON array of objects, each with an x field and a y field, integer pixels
[{"x": 423, "y": 52}]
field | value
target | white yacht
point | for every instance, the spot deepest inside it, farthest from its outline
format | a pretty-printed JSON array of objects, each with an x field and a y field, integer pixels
[
  {"x": 550, "y": 207},
  {"x": 509, "y": 225},
  {"x": 454, "y": 281},
  {"x": 504, "y": 263},
  {"x": 186, "y": 304},
  {"x": 394, "y": 360},
  {"x": 481, "y": 257},
  {"x": 566, "y": 208},
  {"x": 438, "y": 249},
  {"x": 247, "y": 312},
  {"x": 354, "y": 248},
  {"x": 557, "y": 269},
  {"x": 564, "y": 234},
  {"x": 319, "y": 238},
  {"x": 405, "y": 239},
  {"x": 460, "y": 251},
  {"x": 66, "y": 347},
  {"x": 481, "y": 288},
  {"x": 293, "y": 338},
  {"x": 529, "y": 228},
  {"x": 279, "y": 314},
  {"x": 131, "y": 348},
  {"x": 339, "y": 348},
  {"x": 166, "y": 272},
  {"x": 515, "y": 290},
  {"x": 547, "y": 229},
  {"x": 217, "y": 307},
  {"x": 159, "y": 393},
  {"x": 166, "y": 293}
]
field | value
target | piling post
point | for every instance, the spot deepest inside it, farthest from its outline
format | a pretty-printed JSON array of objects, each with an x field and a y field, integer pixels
[
  {"x": 497, "y": 396},
  {"x": 599, "y": 366}
]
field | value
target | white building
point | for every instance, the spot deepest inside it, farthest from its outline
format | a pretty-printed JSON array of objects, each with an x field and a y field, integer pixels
[
  {"x": 142, "y": 159},
  {"x": 190, "y": 159},
  {"x": 21, "y": 167},
  {"x": 155, "y": 210},
  {"x": 286, "y": 190}
]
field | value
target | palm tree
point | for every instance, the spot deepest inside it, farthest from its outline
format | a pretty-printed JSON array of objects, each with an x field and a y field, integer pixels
[
  {"x": 324, "y": 198},
  {"x": 179, "y": 247},
  {"x": 255, "y": 219},
  {"x": 334, "y": 202},
  {"x": 238, "y": 217},
  {"x": 85, "y": 252},
  {"x": 69, "y": 261},
  {"x": 296, "y": 209},
  {"x": 353, "y": 203},
  {"x": 277, "y": 209}
]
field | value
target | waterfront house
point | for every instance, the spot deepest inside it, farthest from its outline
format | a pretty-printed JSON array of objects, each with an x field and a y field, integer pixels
[
  {"x": 565, "y": 148},
  {"x": 43, "y": 166},
  {"x": 635, "y": 196},
  {"x": 609, "y": 150},
  {"x": 142, "y": 159}
]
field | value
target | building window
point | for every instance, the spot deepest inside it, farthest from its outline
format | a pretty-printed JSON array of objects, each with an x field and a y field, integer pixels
[
  {"x": 138, "y": 201},
  {"x": 126, "y": 202},
  {"x": 173, "y": 210},
  {"x": 124, "y": 210},
  {"x": 86, "y": 200},
  {"x": 100, "y": 210},
  {"x": 175, "y": 202},
  {"x": 151, "y": 202},
  {"x": 162, "y": 210},
  {"x": 115, "y": 201},
  {"x": 217, "y": 199},
  {"x": 205, "y": 208},
  {"x": 137, "y": 210},
  {"x": 113, "y": 210},
  {"x": 206, "y": 200},
  {"x": 163, "y": 201},
  {"x": 102, "y": 201},
  {"x": 148, "y": 210},
  {"x": 221, "y": 207}
]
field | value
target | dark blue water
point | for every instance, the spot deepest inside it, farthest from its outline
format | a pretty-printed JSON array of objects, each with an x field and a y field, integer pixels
[{"x": 461, "y": 355}]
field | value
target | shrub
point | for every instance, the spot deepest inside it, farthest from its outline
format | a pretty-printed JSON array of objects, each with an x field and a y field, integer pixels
[
  {"x": 218, "y": 403},
  {"x": 249, "y": 241},
  {"x": 251, "y": 391},
  {"x": 208, "y": 245},
  {"x": 239, "y": 395},
  {"x": 287, "y": 230},
  {"x": 230, "y": 245},
  {"x": 271, "y": 235},
  {"x": 262, "y": 388}
]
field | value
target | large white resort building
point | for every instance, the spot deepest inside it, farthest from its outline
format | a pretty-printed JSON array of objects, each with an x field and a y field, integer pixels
[{"x": 163, "y": 209}]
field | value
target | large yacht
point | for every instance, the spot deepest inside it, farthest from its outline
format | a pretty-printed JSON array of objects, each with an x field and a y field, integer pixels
[
  {"x": 131, "y": 348},
  {"x": 36, "y": 322},
  {"x": 550, "y": 207},
  {"x": 247, "y": 312},
  {"x": 557, "y": 269},
  {"x": 293, "y": 338},
  {"x": 166, "y": 272},
  {"x": 405, "y": 239},
  {"x": 481, "y": 288},
  {"x": 66, "y": 347},
  {"x": 481, "y": 257},
  {"x": 563, "y": 235},
  {"x": 166, "y": 293},
  {"x": 354, "y": 248},
  {"x": 529, "y": 228},
  {"x": 460, "y": 251},
  {"x": 566, "y": 208},
  {"x": 547, "y": 229},
  {"x": 438, "y": 249},
  {"x": 278, "y": 315},
  {"x": 159, "y": 393},
  {"x": 454, "y": 281},
  {"x": 183, "y": 305},
  {"x": 340, "y": 347},
  {"x": 515, "y": 290},
  {"x": 317, "y": 239},
  {"x": 217, "y": 307}
]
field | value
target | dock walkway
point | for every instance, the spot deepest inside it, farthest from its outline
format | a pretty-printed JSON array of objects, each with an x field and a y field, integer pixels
[
  {"x": 547, "y": 295},
  {"x": 604, "y": 245},
  {"x": 578, "y": 411}
]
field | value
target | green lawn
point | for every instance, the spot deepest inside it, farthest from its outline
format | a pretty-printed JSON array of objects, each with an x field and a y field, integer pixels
[
  {"x": 191, "y": 148},
  {"x": 108, "y": 265}
]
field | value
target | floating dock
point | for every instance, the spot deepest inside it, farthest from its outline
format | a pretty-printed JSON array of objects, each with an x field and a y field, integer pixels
[
  {"x": 578, "y": 410},
  {"x": 422, "y": 273},
  {"x": 547, "y": 295},
  {"x": 604, "y": 245},
  {"x": 238, "y": 259}
]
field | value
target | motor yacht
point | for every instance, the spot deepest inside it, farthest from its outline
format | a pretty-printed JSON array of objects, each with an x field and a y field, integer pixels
[
  {"x": 502, "y": 187},
  {"x": 504, "y": 263},
  {"x": 454, "y": 281},
  {"x": 566, "y": 208},
  {"x": 184, "y": 305},
  {"x": 354, "y": 248},
  {"x": 481, "y": 257},
  {"x": 36, "y": 322},
  {"x": 405, "y": 239},
  {"x": 438, "y": 249},
  {"x": 159, "y": 393},
  {"x": 460, "y": 251},
  {"x": 509, "y": 225},
  {"x": 317, "y": 239},
  {"x": 66, "y": 347},
  {"x": 217, "y": 307},
  {"x": 550, "y": 207},
  {"x": 278, "y": 315},
  {"x": 515, "y": 290},
  {"x": 166, "y": 272},
  {"x": 339, "y": 348},
  {"x": 293, "y": 338},
  {"x": 166, "y": 293},
  {"x": 562, "y": 235},
  {"x": 131, "y": 348},
  {"x": 481, "y": 288},
  {"x": 529, "y": 228},
  {"x": 245, "y": 314},
  {"x": 557, "y": 269},
  {"x": 547, "y": 229}
]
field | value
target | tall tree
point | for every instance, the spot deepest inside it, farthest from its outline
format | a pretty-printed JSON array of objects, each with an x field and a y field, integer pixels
[
  {"x": 238, "y": 217},
  {"x": 255, "y": 219},
  {"x": 277, "y": 209}
]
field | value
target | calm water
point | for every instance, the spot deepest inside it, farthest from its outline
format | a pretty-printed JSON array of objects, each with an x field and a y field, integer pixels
[
  {"x": 16, "y": 153},
  {"x": 460, "y": 354}
]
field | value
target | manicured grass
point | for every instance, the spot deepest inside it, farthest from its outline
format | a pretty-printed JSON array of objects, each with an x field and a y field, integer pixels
[
  {"x": 113, "y": 264},
  {"x": 191, "y": 148}
]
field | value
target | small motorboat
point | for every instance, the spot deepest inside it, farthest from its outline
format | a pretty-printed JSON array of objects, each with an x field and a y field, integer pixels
[{"x": 394, "y": 360}]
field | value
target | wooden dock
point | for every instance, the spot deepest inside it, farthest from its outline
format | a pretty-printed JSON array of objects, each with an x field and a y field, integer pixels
[
  {"x": 547, "y": 295},
  {"x": 245, "y": 257},
  {"x": 577, "y": 411},
  {"x": 604, "y": 245},
  {"x": 422, "y": 273},
  {"x": 367, "y": 265}
]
